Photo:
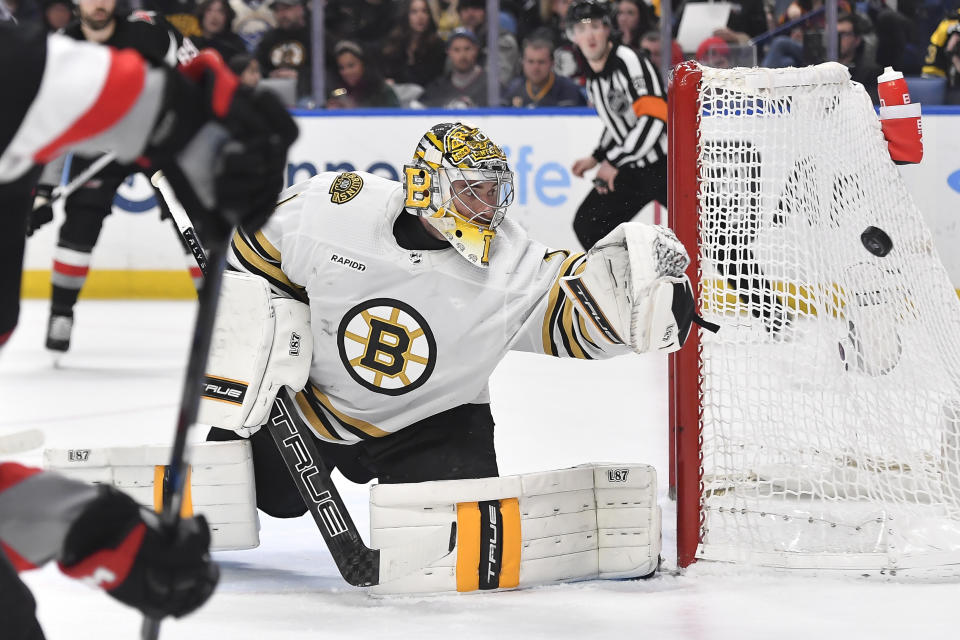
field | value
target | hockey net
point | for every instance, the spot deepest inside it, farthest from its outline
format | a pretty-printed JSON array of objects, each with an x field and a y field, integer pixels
[{"x": 818, "y": 428}]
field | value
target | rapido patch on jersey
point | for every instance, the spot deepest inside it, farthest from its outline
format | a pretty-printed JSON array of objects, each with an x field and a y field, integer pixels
[
  {"x": 345, "y": 187},
  {"x": 387, "y": 346}
]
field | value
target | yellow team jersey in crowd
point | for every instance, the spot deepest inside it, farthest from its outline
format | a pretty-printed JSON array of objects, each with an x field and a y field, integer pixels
[
  {"x": 937, "y": 62},
  {"x": 400, "y": 335}
]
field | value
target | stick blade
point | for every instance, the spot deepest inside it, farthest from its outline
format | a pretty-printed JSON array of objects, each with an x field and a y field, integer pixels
[{"x": 21, "y": 441}]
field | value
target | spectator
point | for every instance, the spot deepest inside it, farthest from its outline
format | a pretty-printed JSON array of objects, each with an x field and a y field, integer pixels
[
  {"x": 465, "y": 85},
  {"x": 473, "y": 16},
  {"x": 444, "y": 13},
  {"x": 651, "y": 44},
  {"x": 748, "y": 19},
  {"x": 850, "y": 52},
  {"x": 181, "y": 14},
  {"x": 539, "y": 86},
  {"x": 897, "y": 38},
  {"x": 247, "y": 69},
  {"x": 943, "y": 57},
  {"x": 714, "y": 52},
  {"x": 25, "y": 12},
  {"x": 413, "y": 53},
  {"x": 366, "y": 22},
  {"x": 252, "y": 22},
  {"x": 215, "y": 18},
  {"x": 566, "y": 61},
  {"x": 358, "y": 84},
  {"x": 284, "y": 51},
  {"x": 634, "y": 18},
  {"x": 57, "y": 14},
  {"x": 788, "y": 51},
  {"x": 552, "y": 15}
]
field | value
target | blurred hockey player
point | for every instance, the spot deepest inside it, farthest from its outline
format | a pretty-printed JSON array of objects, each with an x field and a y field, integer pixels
[
  {"x": 416, "y": 291},
  {"x": 101, "y": 21},
  {"x": 223, "y": 148},
  {"x": 628, "y": 94},
  {"x": 99, "y": 535}
]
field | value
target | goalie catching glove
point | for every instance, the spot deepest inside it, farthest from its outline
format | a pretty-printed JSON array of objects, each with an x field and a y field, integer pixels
[{"x": 635, "y": 291}]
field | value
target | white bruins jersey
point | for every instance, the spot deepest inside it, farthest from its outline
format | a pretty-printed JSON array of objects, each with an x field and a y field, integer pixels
[{"x": 400, "y": 335}]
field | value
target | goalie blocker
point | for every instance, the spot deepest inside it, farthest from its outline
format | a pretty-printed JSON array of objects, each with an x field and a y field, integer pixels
[{"x": 591, "y": 521}]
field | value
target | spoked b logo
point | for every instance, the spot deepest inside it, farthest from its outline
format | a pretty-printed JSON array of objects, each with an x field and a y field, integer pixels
[{"x": 387, "y": 346}]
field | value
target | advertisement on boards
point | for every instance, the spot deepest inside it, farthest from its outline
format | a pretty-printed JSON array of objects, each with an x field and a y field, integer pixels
[{"x": 541, "y": 150}]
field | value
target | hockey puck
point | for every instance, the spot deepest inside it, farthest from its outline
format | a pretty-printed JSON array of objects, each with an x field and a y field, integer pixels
[{"x": 876, "y": 241}]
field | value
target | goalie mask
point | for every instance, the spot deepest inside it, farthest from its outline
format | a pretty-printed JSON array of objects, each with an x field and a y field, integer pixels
[{"x": 460, "y": 183}]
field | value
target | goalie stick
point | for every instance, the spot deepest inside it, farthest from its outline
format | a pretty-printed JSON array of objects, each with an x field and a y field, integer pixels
[
  {"x": 359, "y": 565},
  {"x": 20, "y": 441},
  {"x": 209, "y": 298}
]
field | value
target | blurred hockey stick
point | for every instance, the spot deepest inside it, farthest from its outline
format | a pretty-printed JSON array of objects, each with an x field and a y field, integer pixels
[
  {"x": 180, "y": 218},
  {"x": 209, "y": 298},
  {"x": 20, "y": 441},
  {"x": 359, "y": 565},
  {"x": 62, "y": 191}
]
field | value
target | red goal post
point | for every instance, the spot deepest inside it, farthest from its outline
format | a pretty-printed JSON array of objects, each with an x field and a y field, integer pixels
[{"x": 683, "y": 183}]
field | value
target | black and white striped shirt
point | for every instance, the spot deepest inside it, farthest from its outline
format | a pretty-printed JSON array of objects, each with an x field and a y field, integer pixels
[{"x": 631, "y": 102}]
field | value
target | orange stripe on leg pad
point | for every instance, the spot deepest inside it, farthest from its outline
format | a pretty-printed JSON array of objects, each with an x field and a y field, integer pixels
[
  {"x": 160, "y": 486},
  {"x": 652, "y": 106},
  {"x": 468, "y": 546}
]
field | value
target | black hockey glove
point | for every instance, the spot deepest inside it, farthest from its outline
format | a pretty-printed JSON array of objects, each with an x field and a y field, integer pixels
[
  {"x": 42, "y": 212},
  {"x": 123, "y": 549},
  {"x": 223, "y": 147}
]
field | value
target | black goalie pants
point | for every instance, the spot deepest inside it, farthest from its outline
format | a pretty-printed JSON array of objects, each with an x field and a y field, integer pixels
[
  {"x": 456, "y": 444},
  {"x": 634, "y": 188}
]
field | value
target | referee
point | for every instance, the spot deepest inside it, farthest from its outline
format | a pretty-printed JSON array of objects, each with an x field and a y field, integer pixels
[{"x": 628, "y": 95}]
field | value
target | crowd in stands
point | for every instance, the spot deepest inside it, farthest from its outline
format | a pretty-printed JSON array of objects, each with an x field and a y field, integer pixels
[{"x": 432, "y": 53}]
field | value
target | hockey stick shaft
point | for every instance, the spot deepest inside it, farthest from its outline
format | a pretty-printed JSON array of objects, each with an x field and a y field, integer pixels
[
  {"x": 95, "y": 167},
  {"x": 209, "y": 297},
  {"x": 180, "y": 218}
]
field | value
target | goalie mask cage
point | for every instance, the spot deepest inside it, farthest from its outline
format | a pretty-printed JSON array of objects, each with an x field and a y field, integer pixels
[{"x": 819, "y": 428}]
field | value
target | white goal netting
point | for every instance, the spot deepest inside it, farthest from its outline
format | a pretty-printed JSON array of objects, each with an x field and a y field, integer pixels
[{"x": 831, "y": 395}]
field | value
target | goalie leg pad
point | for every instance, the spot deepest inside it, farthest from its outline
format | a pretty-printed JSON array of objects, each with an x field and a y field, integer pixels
[
  {"x": 591, "y": 521},
  {"x": 260, "y": 343},
  {"x": 219, "y": 483}
]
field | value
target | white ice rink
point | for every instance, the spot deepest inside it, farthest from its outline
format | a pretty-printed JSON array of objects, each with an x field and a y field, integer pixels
[{"x": 120, "y": 383}]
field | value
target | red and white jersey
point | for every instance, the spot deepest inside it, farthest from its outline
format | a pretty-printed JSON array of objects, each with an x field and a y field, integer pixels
[
  {"x": 36, "y": 511},
  {"x": 71, "y": 95},
  {"x": 400, "y": 335}
]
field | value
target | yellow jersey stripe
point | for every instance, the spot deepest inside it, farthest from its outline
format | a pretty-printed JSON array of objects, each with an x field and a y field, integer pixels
[
  {"x": 554, "y": 301},
  {"x": 365, "y": 427},
  {"x": 267, "y": 247},
  {"x": 256, "y": 264},
  {"x": 314, "y": 418}
]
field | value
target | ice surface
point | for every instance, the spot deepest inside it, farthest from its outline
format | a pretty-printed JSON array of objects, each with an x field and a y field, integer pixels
[{"x": 120, "y": 384}]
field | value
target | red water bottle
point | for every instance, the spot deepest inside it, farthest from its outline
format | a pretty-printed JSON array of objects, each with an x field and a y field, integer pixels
[{"x": 899, "y": 118}]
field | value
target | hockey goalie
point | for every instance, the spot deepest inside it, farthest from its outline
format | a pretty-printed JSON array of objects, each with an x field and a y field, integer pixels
[{"x": 387, "y": 306}]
